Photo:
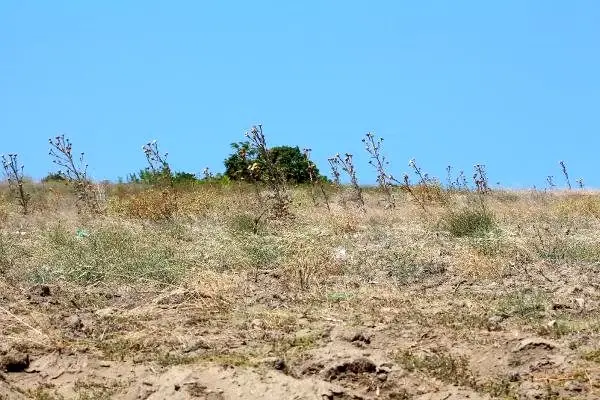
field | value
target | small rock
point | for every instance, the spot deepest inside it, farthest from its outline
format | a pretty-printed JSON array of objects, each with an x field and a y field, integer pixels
[
  {"x": 196, "y": 345},
  {"x": 105, "y": 312},
  {"x": 279, "y": 365},
  {"x": 382, "y": 376},
  {"x": 14, "y": 361},
  {"x": 513, "y": 377},
  {"x": 532, "y": 343},
  {"x": 74, "y": 322},
  {"x": 493, "y": 322},
  {"x": 384, "y": 370},
  {"x": 256, "y": 323},
  {"x": 580, "y": 302},
  {"x": 340, "y": 254},
  {"x": 275, "y": 362}
]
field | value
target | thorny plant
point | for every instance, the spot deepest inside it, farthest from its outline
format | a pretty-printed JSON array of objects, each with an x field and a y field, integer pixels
[
  {"x": 75, "y": 173},
  {"x": 207, "y": 174},
  {"x": 346, "y": 164},
  {"x": 315, "y": 181},
  {"x": 161, "y": 175},
  {"x": 563, "y": 166},
  {"x": 550, "y": 181},
  {"x": 271, "y": 175},
  {"x": 481, "y": 186},
  {"x": 480, "y": 179},
  {"x": 15, "y": 178},
  {"x": 461, "y": 181},
  {"x": 456, "y": 184},
  {"x": 378, "y": 161},
  {"x": 449, "y": 181},
  {"x": 406, "y": 185},
  {"x": 157, "y": 163},
  {"x": 335, "y": 170},
  {"x": 427, "y": 189},
  {"x": 580, "y": 183}
]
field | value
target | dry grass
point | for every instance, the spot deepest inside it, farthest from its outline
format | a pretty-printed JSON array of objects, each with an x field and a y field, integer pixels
[{"x": 161, "y": 268}]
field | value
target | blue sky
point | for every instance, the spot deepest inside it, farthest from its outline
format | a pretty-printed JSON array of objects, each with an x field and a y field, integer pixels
[{"x": 512, "y": 84}]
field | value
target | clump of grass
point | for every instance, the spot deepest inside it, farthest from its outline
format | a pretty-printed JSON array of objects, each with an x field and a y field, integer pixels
[
  {"x": 525, "y": 304},
  {"x": 151, "y": 205},
  {"x": 552, "y": 241},
  {"x": 90, "y": 390},
  {"x": 579, "y": 205},
  {"x": 469, "y": 222},
  {"x": 592, "y": 355},
  {"x": 439, "y": 364},
  {"x": 243, "y": 224},
  {"x": 261, "y": 253},
  {"x": 403, "y": 266},
  {"x": 107, "y": 254}
]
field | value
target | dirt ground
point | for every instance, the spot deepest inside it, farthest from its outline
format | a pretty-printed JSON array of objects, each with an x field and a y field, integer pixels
[
  {"x": 437, "y": 339},
  {"x": 438, "y": 328}
]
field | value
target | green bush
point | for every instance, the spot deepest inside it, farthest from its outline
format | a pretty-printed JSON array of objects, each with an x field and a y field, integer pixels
[
  {"x": 469, "y": 222},
  {"x": 53, "y": 177},
  {"x": 246, "y": 164},
  {"x": 148, "y": 177}
]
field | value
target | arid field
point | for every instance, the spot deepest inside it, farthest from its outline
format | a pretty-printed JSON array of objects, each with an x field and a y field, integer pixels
[{"x": 203, "y": 292}]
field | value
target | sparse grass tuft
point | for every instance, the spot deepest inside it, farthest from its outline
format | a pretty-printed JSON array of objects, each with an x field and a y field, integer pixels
[
  {"x": 439, "y": 364},
  {"x": 525, "y": 304}
]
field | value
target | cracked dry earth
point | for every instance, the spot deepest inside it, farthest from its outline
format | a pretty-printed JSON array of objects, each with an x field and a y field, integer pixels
[{"x": 523, "y": 335}]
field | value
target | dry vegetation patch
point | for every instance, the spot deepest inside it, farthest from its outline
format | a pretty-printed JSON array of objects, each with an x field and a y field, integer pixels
[{"x": 439, "y": 293}]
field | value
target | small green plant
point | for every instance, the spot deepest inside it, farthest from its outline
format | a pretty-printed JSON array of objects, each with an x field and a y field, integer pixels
[
  {"x": 471, "y": 222},
  {"x": 592, "y": 355},
  {"x": 14, "y": 174},
  {"x": 525, "y": 304},
  {"x": 440, "y": 364}
]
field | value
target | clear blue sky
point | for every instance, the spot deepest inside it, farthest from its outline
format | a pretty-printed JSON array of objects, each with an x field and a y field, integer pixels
[{"x": 511, "y": 84}]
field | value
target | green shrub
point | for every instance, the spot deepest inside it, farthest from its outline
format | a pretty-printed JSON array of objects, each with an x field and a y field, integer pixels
[
  {"x": 245, "y": 163},
  {"x": 469, "y": 222}
]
